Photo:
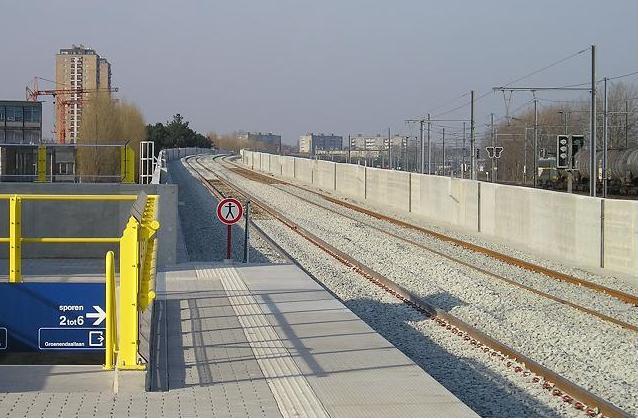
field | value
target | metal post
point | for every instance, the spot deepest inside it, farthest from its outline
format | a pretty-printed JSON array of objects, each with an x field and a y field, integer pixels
[
  {"x": 229, "y": 236},
  {"x": 473, "y": 155},
  {"x": 429, "y": 148},
  {"x": 247, "y": 233},
  {"x": 492, "y": 144},
  {"x": 535, "y": 141},
  {"x": 605, "y": 137},
  {"x": 15, "y": 239},
  {"x": 443, "y": 151},
  {"x": 525, "y": 158},
  {"x": 349, "y": 147},
  {"x": 42, "y": 164},
  {"x": 592, "y": 133},
  {"x": 111, "y": 332},
  {"x": 463, "y": 156},
  {"x": 626, "y": 124},
  {"x": 389, "y": 151},
  {"x": 128, "y": 326},
  {"x": 422, "y": 147}
]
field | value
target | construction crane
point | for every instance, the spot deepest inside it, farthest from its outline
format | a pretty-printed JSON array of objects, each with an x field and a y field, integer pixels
[{"x": 33, "y": 92}]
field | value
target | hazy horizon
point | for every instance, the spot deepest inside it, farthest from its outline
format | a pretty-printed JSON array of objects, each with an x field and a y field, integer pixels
[{"x": 342, "y": 67}]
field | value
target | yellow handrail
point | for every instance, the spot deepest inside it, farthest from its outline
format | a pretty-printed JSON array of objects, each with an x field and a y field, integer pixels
[
  {"x": 67, "y": 197},
  {"x": 15, "y": 238},
  {"x": 111, "y": 313},
  {"x": 137, "y": 254},
  {"x": 137, "y": 271}
]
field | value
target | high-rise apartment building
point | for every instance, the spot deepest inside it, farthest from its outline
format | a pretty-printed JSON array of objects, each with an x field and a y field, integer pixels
[{"x": 82, "y": 69}]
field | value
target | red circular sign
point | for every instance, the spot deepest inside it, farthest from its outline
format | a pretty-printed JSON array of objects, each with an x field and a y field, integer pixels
[{"x": 229, "y": 211}]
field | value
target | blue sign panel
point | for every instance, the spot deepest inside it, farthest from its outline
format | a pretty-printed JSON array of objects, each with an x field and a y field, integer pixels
[
  {"x": 46, "y": 316},
  {"x": 3, "y": 338}
]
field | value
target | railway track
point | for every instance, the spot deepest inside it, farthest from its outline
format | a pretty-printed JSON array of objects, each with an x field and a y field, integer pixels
[
  {"x": 274, "y": 183},
  {"x": 510, "y": 260},
  {"x": 559, "y": 386}
]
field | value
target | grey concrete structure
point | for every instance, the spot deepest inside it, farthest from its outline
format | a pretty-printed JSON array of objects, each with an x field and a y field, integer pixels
[
  {"x": 266, "y": 339},
  {"x": 243, "y": 341},
  {"x": 85, "y": 219},
  {"x": 583, "y": 231}
]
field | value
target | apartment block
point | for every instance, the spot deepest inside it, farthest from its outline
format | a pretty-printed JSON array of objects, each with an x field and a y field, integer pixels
[{"x": 79, "y": 72}]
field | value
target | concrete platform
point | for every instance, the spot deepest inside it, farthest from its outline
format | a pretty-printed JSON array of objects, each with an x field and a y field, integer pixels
[
  {"x": 272, "y": 337},
  {"x": 247, "y": 341}
]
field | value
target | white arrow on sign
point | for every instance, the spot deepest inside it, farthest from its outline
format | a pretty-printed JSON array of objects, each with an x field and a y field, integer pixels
[{"x": 99, "y": 315}]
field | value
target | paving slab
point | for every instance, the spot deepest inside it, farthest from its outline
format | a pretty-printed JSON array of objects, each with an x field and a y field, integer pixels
[{"x": 242, "y": 341}]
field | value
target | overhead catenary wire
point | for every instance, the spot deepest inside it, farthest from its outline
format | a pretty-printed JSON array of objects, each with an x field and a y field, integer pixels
[{"x": 555, "y": 63}]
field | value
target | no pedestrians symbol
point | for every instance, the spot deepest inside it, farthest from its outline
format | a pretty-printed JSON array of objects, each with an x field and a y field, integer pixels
[{"x": 229, "y": 211}]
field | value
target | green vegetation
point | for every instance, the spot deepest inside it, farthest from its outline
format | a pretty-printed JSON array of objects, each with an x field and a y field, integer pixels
[{"x": 174, "y": 134}]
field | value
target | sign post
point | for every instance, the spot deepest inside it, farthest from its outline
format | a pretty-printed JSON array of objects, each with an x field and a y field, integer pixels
[{"x": 229, "y": 212}]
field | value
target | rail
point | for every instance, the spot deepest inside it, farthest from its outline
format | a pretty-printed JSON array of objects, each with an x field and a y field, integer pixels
[
  {"x": 559, "y": 386},
  {"x": 137, "y": 266}
]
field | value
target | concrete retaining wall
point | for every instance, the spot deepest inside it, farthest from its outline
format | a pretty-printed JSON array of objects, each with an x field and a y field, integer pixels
[
  {"x": 275, "y": 165},
  {"x": 621, "y": 235},
  {"x": 304, "y": 169},
  {"x": 560, "y": 225},
  {"x": 324, "y": 176},
  {"x": 388, "y": 188},
  {"x": 257, "y": 161},
  {"x": 351, "y": 180},
  {"x": 555, "y": 224},
  {"x": 85, "y": 219},
  {"x": 265, "y": 163},
  {"x": 287, "y": 166},
  {"x": 453, "y": 201}
]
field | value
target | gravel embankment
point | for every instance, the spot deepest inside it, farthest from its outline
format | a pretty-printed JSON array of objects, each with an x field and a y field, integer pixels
[
  {"x": 204, "y": 235},
  {"x": 620, "y": 282},
  {"x": 582, "y": 296},
  {"x": 596, "y": 355}
]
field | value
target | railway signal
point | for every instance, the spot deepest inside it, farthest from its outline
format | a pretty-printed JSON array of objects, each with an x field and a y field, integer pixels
[
  {"x": 566, "y": 148},
  {"x": 229, "y": 212},
  {"x": 563, "y": 154},
  {"x": 494, "y": 152}
]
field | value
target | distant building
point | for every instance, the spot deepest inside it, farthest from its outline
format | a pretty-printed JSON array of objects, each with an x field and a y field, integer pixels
[
  {"x": 311, "y": 143},
  {"x": 20, "y": 129},
  {"x": 77, "y": 68},
  {"x": 20, "y": 122},
  {"x": 379, "y": 142}
]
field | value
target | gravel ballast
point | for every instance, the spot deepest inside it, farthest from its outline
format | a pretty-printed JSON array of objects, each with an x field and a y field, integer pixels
[{"x": 584, "y": 349}]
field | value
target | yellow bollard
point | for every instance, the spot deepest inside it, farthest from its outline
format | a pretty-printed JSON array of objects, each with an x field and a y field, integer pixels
[{"x": 111, "y": 325}]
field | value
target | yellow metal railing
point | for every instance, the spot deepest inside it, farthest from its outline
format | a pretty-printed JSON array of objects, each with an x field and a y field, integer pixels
[
  {"x": 15, "y": 238},
  {"x": 110, "y": 346},
  {"x": 138, "y": 252}
]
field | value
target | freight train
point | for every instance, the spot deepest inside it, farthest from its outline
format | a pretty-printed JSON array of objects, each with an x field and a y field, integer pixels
[{"x": 622, "y": 170}]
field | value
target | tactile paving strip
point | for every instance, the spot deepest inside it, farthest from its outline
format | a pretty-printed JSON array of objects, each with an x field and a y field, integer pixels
[{"x": 292, "y": 392}]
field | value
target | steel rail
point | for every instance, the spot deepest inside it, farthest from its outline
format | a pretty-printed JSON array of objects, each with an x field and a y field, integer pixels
[
  {"x": 510, "y": 260},
  {"x": 595, "y": 313},
  {"x": 560, "y": 386}
]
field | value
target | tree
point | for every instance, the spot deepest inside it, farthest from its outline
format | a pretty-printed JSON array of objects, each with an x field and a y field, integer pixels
[
  {"x": 106, "y": 122},
  {"x": 175, "y": 134}
]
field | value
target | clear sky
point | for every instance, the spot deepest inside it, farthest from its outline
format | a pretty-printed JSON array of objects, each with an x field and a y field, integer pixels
[{"x": 325, "y": 66}]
